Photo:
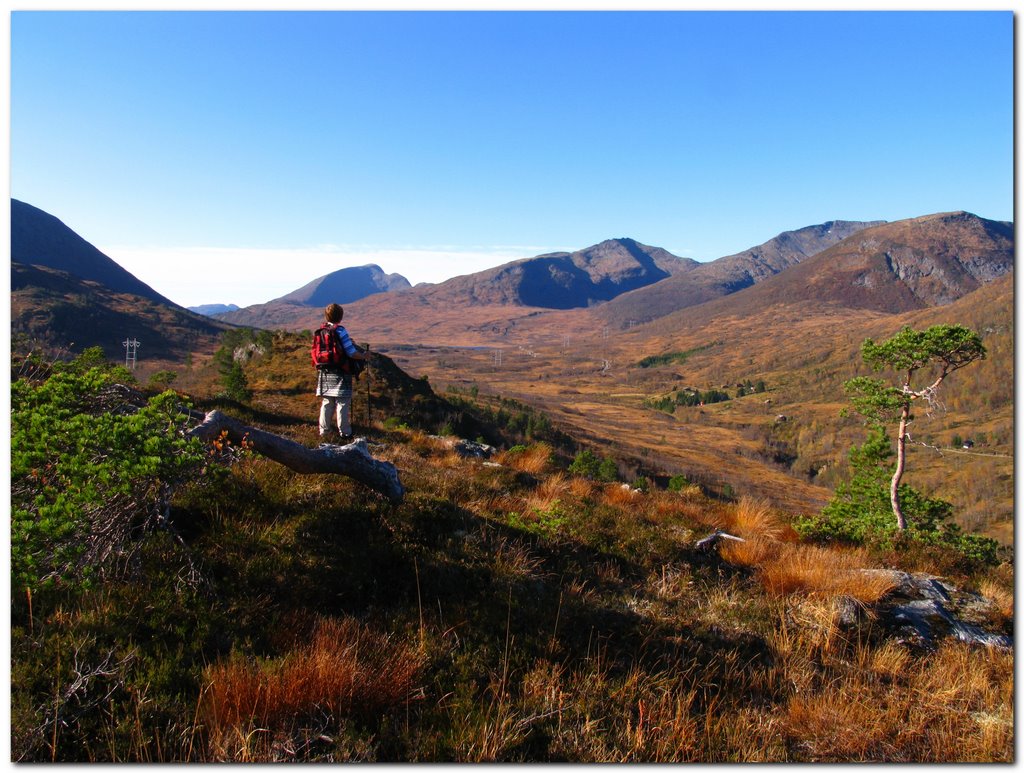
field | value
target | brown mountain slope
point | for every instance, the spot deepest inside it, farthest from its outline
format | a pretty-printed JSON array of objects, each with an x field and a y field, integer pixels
[
  {"x": 695, "y": 284},
  {"x": 892, "y": 268},
  {"x": 896, "y": 267},
  {"x": 728, "y": 275}
]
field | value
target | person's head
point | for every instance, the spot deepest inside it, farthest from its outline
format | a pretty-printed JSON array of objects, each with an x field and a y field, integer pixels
[{"x": 333, "y": 313}]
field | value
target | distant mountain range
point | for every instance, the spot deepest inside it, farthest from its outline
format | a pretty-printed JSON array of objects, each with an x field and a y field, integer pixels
[
  {"x": 346, "y": 285},
  {"x": 888, "y": 267},
  {"x": 209, "y": 309},
  {"x": 560, "y": 280},
  {"x": 564, "y": 280}
]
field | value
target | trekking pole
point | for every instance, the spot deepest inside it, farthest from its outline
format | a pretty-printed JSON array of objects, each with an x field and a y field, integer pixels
[{"x": 366, "y": 348}]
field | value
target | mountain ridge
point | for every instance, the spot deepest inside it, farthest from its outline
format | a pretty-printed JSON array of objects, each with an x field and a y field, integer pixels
[
  {"x": 731, "y": 273},
  {"x": 899, "y": 266},
  {"x": 39, "y": 238},
  {"x": 558, "y": 280}
]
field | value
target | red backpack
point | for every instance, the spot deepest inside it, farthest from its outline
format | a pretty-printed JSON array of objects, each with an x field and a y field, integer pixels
[{"x": 327, "y": 352}]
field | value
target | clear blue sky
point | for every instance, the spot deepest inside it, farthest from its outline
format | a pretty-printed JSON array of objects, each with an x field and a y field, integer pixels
[{"x": 270, "y": 148}]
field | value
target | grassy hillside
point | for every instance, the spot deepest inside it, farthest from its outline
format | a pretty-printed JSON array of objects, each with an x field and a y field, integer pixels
[{"x": 507, "y": 610}]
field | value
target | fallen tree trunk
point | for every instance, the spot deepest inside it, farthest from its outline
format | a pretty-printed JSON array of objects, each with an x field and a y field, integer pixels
[{"x": 352, "y": 460}]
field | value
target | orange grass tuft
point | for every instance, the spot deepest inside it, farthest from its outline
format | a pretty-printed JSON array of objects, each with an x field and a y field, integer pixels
[
  {"x": 811, "y": 569},
  {"x": 1001, "y": 598},
  {"x": 753, "y": 551},
  {"x": 581, "y": 488},
  {"x": 344, "y": 668},
  {"x": 551, "y": 491},
  {"x": 534, "y": 459},
  {"x": 621, "y": 495},
  {"x": 756, "y": 518}
]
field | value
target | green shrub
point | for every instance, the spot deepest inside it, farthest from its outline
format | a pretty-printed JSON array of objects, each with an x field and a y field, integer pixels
[
  {"x": 586, "y": 464},
  {"x": 162, "y": 379},
  {"x": 545, "y": 523},
  {"x": 608, "y": 470},
  {"x": 678, "y": 483},
  {"x": 87, "y": 474}
]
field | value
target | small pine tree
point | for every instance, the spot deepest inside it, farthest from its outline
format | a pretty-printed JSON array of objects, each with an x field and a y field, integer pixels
[
  {"x": 236, "y": 385},
  {"x": 586, "y": 464},
  {"x": 860, "y": 512},
  {"x": 608, "y": 471},
  {"x": 938, "y": 351}
]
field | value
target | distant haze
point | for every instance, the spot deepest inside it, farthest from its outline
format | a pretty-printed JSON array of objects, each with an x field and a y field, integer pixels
[{"x": 195, "y": 276}]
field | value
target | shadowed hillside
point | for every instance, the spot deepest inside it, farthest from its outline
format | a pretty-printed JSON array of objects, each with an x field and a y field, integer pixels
[
  {"x": 38, "y": 238},
  {"x": 56, "y": 311},
  {"x": 67, "y": 296}
]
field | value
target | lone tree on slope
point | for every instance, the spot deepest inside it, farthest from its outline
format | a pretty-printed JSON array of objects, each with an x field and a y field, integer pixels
[{"x": 932, "y": 354}]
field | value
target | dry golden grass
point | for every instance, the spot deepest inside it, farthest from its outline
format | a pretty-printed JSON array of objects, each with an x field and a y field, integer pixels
[
  {"x": 497, "y": 503},
  {"x": 786, "y": 567},
  {"x": 621, "y": 495},
  {"x": 1000, "y": 596},
  {"x": 551, "y": 490},
  {"x": 534, "y": 459},
  {"x": 756, "y": 518},
  {"x": 672, "y": 583},
  {"x": 344, "y": 668},
  {"x": 954, "y": 706},
  {"x": 752, "y": 552},
  {"x": 664, "y": 728},
  {"x": 515, "y": 559},
  {"x": 581, "y": 488},
  {"x": 889, "y": 660},
  {"x": 693, "y": 491},
  {"x": 823, "y": 571}
]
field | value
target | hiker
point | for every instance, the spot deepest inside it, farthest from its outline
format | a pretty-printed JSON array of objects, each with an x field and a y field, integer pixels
[{"x": 333, "y": 383}]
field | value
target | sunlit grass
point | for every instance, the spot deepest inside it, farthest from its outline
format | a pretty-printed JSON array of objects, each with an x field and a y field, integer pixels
[{"x": 342, "y": 669}]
